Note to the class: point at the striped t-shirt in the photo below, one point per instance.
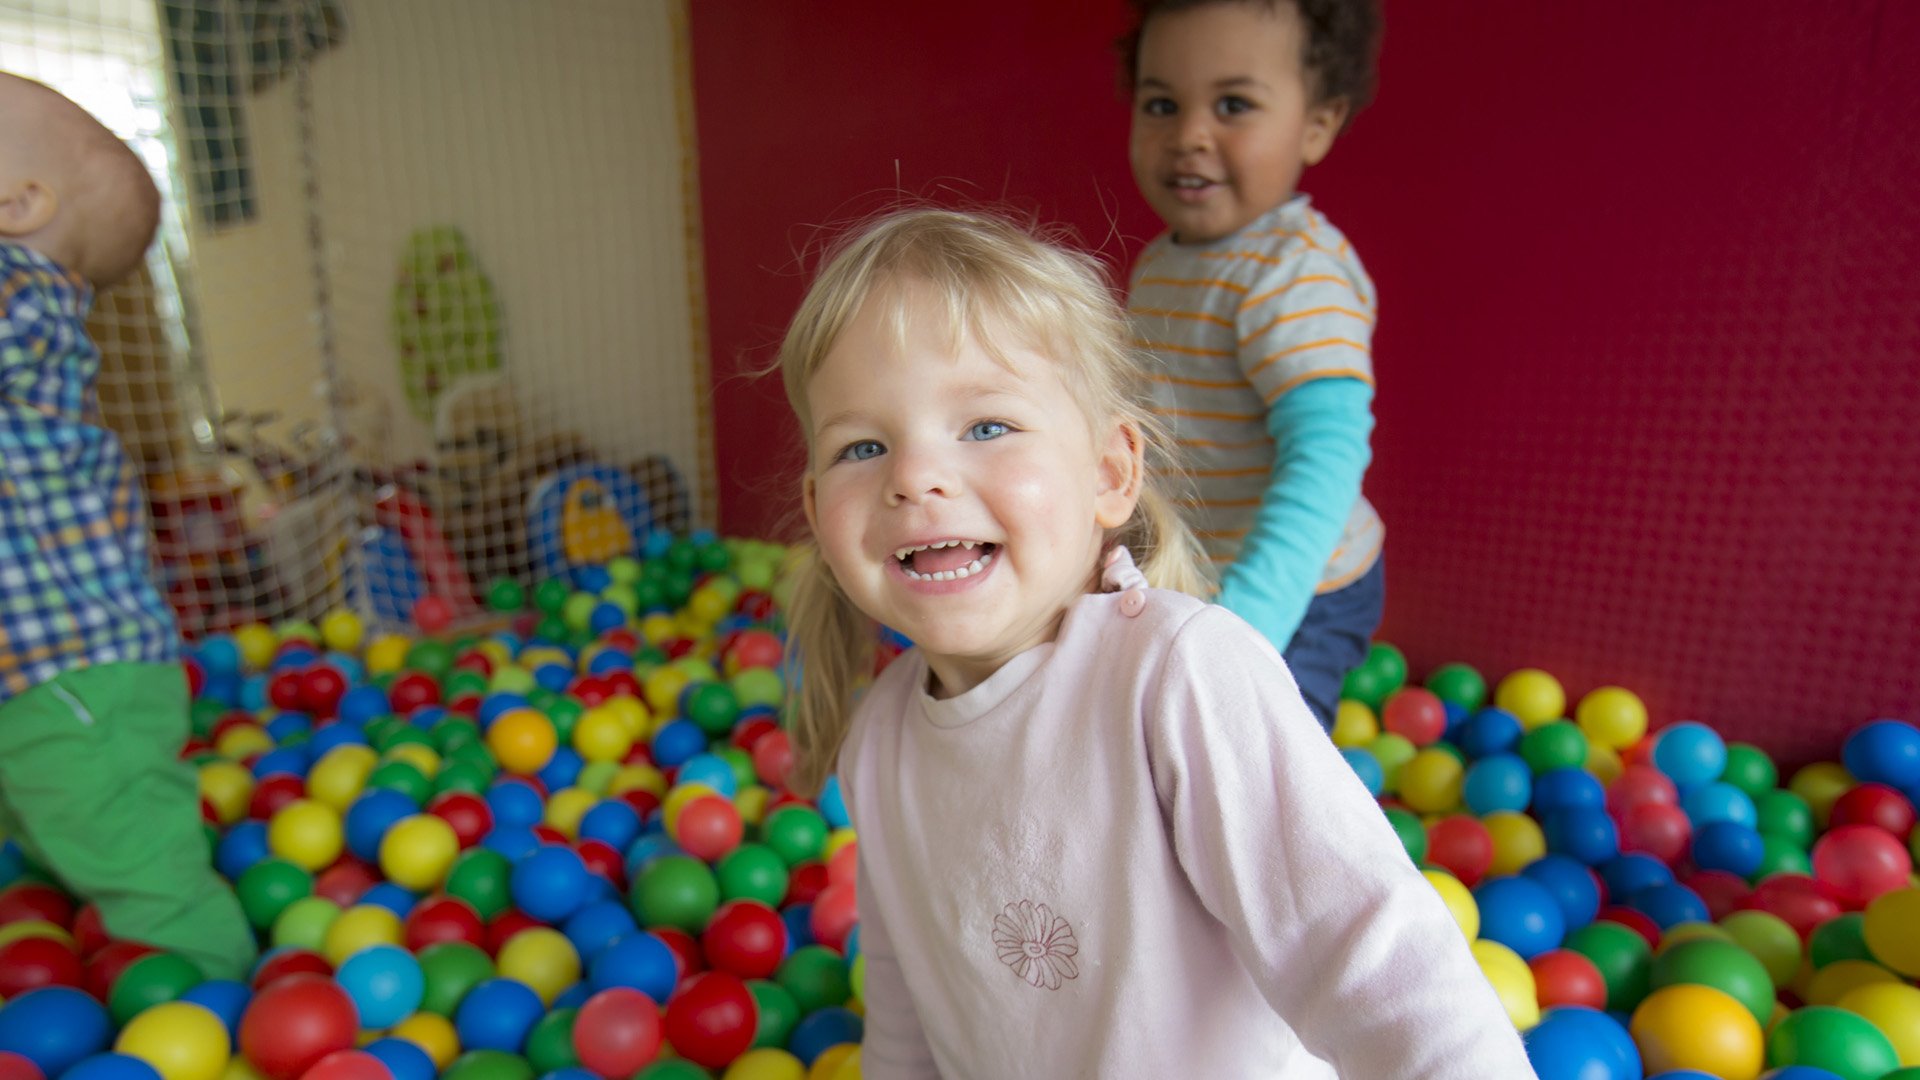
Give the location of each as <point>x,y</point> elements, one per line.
<point>1235,324</point>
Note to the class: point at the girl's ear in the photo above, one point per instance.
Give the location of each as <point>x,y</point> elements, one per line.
<point>1122,471</point>
<point>26,208</point>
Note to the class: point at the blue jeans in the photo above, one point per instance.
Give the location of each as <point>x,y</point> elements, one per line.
<point>1333,639</point>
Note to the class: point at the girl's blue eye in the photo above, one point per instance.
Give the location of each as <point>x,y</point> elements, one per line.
<point>862,450</point>
<point>1233,105</point>
<point>1157,106</point>
<point>987,429</point>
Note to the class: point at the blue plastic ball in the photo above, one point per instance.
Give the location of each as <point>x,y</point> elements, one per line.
<point>1585,833</point>
<point>598,925</point>
<point>496,703</point>
<point>371,815</point>
<point>676,742</point>
<point>404,1059</point>
<point>1718,801</point>
<point>1725,845</point>
<point>833,805</point>
<point>219,656</point>
<point>1690,753</point>
<point>606,616</point>
<point>640,961</point>
<point>1567,789</point>
<point>13,862</point>
<point>1366,768</point>
<point>1495,783</point>
<point>497,1015</point>
<point>550,884</point>
<point>242,846</point>
<point>288,724</point>
<point>573,996</point>
<point>1521,914</point>
<point>711,770</point>
<point>516,842</point>
<point>562,769</point>
<point>1489,732</point>
<point>612,821</point>
<point>54,1027</point>
<point>223,998</point>
<point>334,736</point>
<point>253,693</point>
<point>1633,872</point>
<point>1669,905</point>
<point>799,920</point>
<point>112,1067</point>
<point>554,677</point>
<point>608,661</point>
<point>591,577</point>
<point>1571,883</point>
<point>362,704</point>
<point>653,845</point>
<point>1572,1043</point>
<point>392,897</point>
<point>224,689</point>
<point>515,802</point>
<point>287,760</point>
<point>1884,752</point>
<point>385,983</point>
<point>823,1030</point>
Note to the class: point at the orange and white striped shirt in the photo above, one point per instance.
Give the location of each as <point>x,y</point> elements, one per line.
<point>1234,325</point>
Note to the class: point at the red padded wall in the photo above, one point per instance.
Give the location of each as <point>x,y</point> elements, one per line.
<point>1650,339</point>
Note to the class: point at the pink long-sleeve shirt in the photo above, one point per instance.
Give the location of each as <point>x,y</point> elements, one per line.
<point>1132,852</point>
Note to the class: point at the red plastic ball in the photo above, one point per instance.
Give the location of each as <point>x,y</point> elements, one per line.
<point>591,690</point>
<point>1462,846</point>
<point>805,883</point>
<point>272,793</point>
<point>227,722</point>
<point>623,684</point>
<point>547,834</point>
<point>773,758</point>
<point>1565,977</point>
<point>89,932</point>
<point>476,661</point>
<point>294,1022</point>
<point>287,691</point>
<point>196,676</point>
<point>843,866</point>
<point>604,859</point>
<point>1799,900</point>
<point>1860,862</point>
<point>348,1065</point>
<point>33,902</point>
<point>711,1020</point>
<point>1656,829</point>
<point>470,816</point>
<point>506,924</point>
<point>432,614</point>
<point>709,827</point>
<point>622,638</point>
<point>1637,921</point>
<point>17,1067</point>
<point>749,733</point>
<point>646,802</point>
<point>291,964</point>
<point>745,938</point>
<point>1877,805</point>
<point>686,951</point>
<point>617,1032</point>
<point>32,962</point>
<point>758,606</point>
<point>834,913</point>
<point>104,967</point>
<point>1417,714</point>
<point>1724,892</point>
<point>346,881</point>
<point>756,649</point>
<point>444,918</point>
<point>675,648</point>
<point>413,691</point>
<point>321,689</point>
<point>1639,785</point>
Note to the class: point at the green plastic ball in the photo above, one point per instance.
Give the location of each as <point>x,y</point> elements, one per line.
<point>1834,1039</point>
<point>432,657</point>
<point>1389,663</point>
<point>1786,815</point>
<point>1771,941</point>
<point>623,569</point>
<point>1556,745</point>
<point>551,595</point>
<point>753,872</point>
<point>506,596</point>
<point>1750,769</point>
<point>1624,958</point>
<point>1844,938</point>
<point>152,980</point>
<point>673,1069</point>
<point>404,778</point>
<point>267,887</point>
<point>758,687</point>
<point>683,555</point>
<point>713,559</point>
<point>489,1065</point>
<point>676,890</point>
<point>480,876</point>
<point>1458,684</point>
<point>779,1012</point>
<point>203,715</point>
<point>816,976</point>
<point>1364,684</point>
<point>795,833</point>
<point>713,707</point>
<point>1413,835</point>
<point>303,925</point>
<point>552,628</point>
<point>550,1043</point>
<point>1722,965</point>
<point>1778,855</point>
<point>450,969</point>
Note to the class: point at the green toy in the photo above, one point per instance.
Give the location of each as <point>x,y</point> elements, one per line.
<point>445,317</point>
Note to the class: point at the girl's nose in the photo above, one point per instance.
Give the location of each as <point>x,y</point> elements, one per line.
<point>919,475</point>
<point>1194,135</point>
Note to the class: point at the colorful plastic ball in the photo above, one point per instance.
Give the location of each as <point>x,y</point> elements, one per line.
<point>1458,684</point>
<point>304,924</point>
<point>1573,1043</point>
<point>1723,965</point>
<point>362,926</point>
<point>1586,834</point>
<point>1802,901</point>
<point>1393,753</point>
<point>497,1014</point>
<point>678,891</point>
<point>1697,1027</point>
<point>450,970</point>
<point>1612,716</point>
<point>404,1059</point>
<point>418,852</point>
<point>1366,768</point>
<point>1884,752</point>
<point>523,741</point>
<point>1690,753</point>
<point>1431,782</point>
<point>1726,845</point>
<point>105,1067</point>
<point>1669,905</point>
<point>1572,885</point>
<point>224,998</point>
<point>1656,829</point>
<point>180,1040</point>
<point>1832,1038</point>
<point>617,1032</point>
<point>1562,977</point>
<point>1521,914</point>
<point>745,938</point>
<point>1750,769</point>
<point>149,981</point>
<point>1623,957</point>
<point>489,1065</point>
<point>816,976</point>
<point>712,1019</point>
<point>294,1022</point>
<point>243,845</point>
<point>1517,841</point>
<point>1554,744</point>
<point>1874,804</point>
<point>753,872</point>
<point>1861,863</point>
<point>1511,979</point>
<point>1458,899</point>
<point>1497,782</point>
<point>385,983</point>
<point>550,884</point>
<point>638,961</point>
<point>1532,696</point>
<point>1354,725</point>
<point>598,925</point>
<point>709,827</point>
<point>1894,1009</point>
<point>541,958</point>
<point>827,1028</point>
<point>1488,732</point>
<point>54,1027</point>
<point>1567,789</point>
<point>1415,714</point>
<point>1718,801</point>
<point>1893,930</point>
<point>28,963</point>
<point>1462,846</point>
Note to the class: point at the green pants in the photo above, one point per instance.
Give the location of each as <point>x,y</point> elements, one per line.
<point>92,788</point>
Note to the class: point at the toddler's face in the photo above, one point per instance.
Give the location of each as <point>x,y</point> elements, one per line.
<point>1223,117</point>
<point>956,499</point>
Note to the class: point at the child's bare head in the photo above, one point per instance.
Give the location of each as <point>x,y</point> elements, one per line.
<point>69,189</point>
<point>1341,39</point>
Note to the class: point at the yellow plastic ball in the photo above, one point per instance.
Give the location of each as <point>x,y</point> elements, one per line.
<point>835,1062</point>
<point>638,778</point>
<point>838,839</point>
<point>566,807</point>
<point>181,1040</point>
<point>228,786</point>
<point>360,927</point>
<point>541,958</point>
<point>242,741</point>
<point>1612,716</point>
<point>766,1064</point>
<point>338,777</point>
<point>239,1068</point>
<point>1459,900</point>
<point>662,689</point>
<point>658,628</point>
<point>1842,977</point>
<point>1681,933</point>
<point>1768,937</point>
<point>857,977</point>
<point>430,1032</point>
<point>420,757</point>
<point>752,804</point>
<point>26,928</point>
<point>1354,724</point>
<point>1894,1008</point>
<point>849,1069</point>
<point>1688,1026</point>
<point>1430,783</point>
<point>677,799</point>
<point>632,712</point>
<point>602,734</point>
<point>1893,930</point>
<point>540,657</point>
<point>1392,751</point>
<point>418,852</point>
<point>1604,763</point>
<point>1517,841</point>
<point>697,669</point>
<point>342,631</point>
<point>595,776</point>
<point>1533,696</point>
<point>257,644</point>
<point>387,654</point>
<point>522,741</point>
<point>709,605</point>
<point>1512,981</point>
<point>1821,784</point>
<point>307,834</point>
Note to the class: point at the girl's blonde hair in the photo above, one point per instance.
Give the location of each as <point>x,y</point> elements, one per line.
<point>997,282</point>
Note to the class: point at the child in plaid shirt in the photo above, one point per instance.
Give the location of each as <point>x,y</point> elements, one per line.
<point>93,703</point>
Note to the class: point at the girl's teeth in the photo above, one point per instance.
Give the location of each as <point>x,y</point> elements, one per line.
<point>968,570</point>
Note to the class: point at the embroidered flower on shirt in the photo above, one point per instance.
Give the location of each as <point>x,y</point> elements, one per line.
<point>1037,944</point>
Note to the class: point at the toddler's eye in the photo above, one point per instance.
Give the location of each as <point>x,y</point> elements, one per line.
<point>1158,106</point>
<point>861,451</point>
<point>1233,105</point>
<point>987,429</point>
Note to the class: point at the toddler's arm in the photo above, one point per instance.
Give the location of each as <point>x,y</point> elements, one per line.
<point>1285,847</point>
